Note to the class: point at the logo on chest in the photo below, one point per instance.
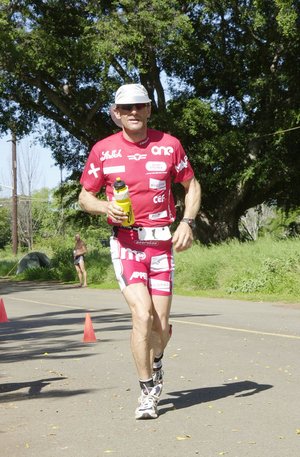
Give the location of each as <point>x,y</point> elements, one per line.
<point>113,154</point>
<point>162,150</point>
<point>137,156</point>
<point>156,166</point>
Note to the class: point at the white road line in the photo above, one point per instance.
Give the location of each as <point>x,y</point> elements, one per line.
<point>52,304</point>
<point>235,329</point>
<point>178,321</point>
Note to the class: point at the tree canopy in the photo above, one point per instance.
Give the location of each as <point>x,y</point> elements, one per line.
<point>223,76</point>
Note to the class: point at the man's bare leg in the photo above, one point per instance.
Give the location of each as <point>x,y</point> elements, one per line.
<point>79,274</point>
<point>83,272</point>
<point>140,304</point>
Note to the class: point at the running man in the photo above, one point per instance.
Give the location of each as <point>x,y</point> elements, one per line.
<point>148,161</point>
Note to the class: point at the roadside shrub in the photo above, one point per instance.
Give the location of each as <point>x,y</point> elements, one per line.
<point>273,276</point>
<point>8,267</point>
<point>192,274</point>
<point>266,269</point>
<point>38,274</point>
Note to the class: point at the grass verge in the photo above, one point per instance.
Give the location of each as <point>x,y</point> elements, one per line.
<point>264,270</point>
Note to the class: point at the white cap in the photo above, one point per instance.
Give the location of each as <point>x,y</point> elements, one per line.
<point>129,94</point>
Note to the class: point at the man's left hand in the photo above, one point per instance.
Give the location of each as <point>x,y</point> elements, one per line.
<point>183,237</point>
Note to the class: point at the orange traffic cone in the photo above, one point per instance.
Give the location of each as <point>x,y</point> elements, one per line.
<point>89,334</point>
<point>3,316</point>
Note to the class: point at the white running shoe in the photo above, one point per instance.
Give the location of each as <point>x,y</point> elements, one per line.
<point>147,408</point>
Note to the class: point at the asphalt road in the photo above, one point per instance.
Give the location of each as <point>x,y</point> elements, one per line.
<point>231,378</point>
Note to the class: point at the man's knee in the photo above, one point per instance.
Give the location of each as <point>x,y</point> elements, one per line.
<point>142,322</point>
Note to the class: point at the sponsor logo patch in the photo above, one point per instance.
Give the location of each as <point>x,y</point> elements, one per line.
<point>156,166</point>
<point>159,198</point>
<point>157,184</point>
<point>137,156</point>
<point>116,169</point>
<point>159,263</point>
<point>93,170</point>
<point>155,216</point>
<point>139,275</point>
<point>106,155</point>
<point>159,285</point>
<point>131,254</point>
<point>162,150</point>
<point>182,164</point>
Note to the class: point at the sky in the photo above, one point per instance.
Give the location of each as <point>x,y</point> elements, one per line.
<point>45,173</point>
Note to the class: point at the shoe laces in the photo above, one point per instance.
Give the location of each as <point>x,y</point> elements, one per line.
<point>148,401</point>
<point>152,397</point>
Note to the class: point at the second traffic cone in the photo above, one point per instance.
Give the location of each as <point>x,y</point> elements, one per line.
<point>89,334</point>
<point>3,315</point>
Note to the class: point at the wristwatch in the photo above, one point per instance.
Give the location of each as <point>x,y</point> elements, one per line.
<point>190,222</point>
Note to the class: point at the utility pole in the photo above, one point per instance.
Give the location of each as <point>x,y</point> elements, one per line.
<point>14,196</point>
<point>62,201</point>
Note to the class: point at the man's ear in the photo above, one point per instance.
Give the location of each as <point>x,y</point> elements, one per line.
<point>117,113</point>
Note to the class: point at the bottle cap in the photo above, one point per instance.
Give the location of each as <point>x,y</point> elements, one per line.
<point>119,184</point>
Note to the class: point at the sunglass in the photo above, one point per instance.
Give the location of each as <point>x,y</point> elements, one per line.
<point>129,107</point>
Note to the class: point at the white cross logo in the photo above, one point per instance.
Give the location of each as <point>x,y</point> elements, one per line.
<point>93,170</point>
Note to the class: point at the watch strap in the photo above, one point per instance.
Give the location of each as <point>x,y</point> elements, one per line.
<point>191,222</point>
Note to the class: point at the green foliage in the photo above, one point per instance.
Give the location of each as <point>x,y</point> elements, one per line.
<point>267,269</point>
<point>5,227</point>
<point>38,274</point>
<point>287,17</point>
<point>97,263</point>
<point>274,276</point>
<point>99,267</point>
<point>222,77</point>
<point>284,225</point>
<point>62,263</point>
<point>194,275</point>
<point>7,266</point>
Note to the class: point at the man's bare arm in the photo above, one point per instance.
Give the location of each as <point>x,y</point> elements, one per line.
<point>183,236</point>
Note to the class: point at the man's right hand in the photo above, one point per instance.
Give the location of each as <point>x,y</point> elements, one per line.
<point>115,212</point>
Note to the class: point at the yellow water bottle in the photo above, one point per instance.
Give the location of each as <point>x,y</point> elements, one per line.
<point>122,198</point>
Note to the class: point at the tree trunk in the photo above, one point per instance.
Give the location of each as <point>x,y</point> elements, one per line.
<point>217,229</point>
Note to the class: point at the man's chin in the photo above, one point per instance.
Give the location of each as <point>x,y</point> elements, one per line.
<point>135,125</point>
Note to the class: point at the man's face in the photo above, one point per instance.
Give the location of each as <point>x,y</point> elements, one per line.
<point>133,117</point>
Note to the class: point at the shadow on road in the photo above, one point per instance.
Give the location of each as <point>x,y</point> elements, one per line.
<point>188,398</point>
<point>58,334</point>
<point>8,286</point>
<point>55,334</point>
<point>33,389</point>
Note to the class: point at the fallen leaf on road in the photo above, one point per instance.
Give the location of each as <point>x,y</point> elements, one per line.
<point>184,437</point>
